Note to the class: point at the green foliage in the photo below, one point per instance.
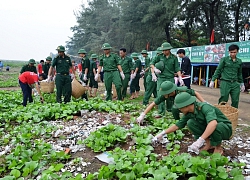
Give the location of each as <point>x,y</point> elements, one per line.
<point>26,131</point>
<point>106,137</point>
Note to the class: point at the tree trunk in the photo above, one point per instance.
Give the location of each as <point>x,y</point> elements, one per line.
<point>188,34</point>
<point>237,13</point>
<point>219,21</point>
<point>167,32</point>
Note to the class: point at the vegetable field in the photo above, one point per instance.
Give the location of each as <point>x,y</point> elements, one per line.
<point>60,141</point>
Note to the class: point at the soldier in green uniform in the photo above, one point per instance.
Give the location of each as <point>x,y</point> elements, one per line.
<point>62,62</point>
<point>146,67</point>
<point>230,71</point>
<point>206,122</point>
<point>135,87</point>
<point>151,85</point>
<point>92,73</point>
<point>85,69</point>
<point>169,90</point>
<point>47,65</point>
<point>29,67</point>
<point>170,66</point>
<point>127,67</point>
<point>111,64</point>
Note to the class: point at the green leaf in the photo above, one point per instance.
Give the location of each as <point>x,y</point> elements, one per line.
<point>192,178</point>
<point>239,177</point>
<point>15,173</point>
<point>223,175</point>
<point>58,167</point>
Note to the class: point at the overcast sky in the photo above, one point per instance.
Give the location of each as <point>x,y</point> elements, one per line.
<point>33,29</point>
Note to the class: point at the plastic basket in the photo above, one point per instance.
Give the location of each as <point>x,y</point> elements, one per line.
<point>47,87</point>
<point>230,112</point>
<point>77,89</point>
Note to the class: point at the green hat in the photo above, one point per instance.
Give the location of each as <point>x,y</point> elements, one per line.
<point>160,65</point>
<point>159,50</point>
<point>144,52</point>
<point>60,48</point>
<point>48,58</point>
<point>134,55</point>
<point>167,87</point>
<point>183,99</point>
<point>82,51</point>
<point>32,61</point>
<point>166,46</point>
<point>93,56</point>
<point>106,46</point>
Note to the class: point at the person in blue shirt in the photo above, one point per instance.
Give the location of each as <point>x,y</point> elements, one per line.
<point>1,65</point>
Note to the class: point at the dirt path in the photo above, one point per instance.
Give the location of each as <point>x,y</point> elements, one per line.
<point>212,96</point>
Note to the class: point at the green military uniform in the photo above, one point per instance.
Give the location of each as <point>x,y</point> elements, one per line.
<point>27,67</point>
<point>85,64</point>
<point>175,111</point>
<point>63,80</point>
<point>147,65</point>
<point>171,66</point>
<point>46,66</point>
<point>109,64</point>
<point>231,77</point>
<point>134,86</point>
<point>127,66</point>
<point>151,85</point>
<point>92,82</point>
<point>198,121</point>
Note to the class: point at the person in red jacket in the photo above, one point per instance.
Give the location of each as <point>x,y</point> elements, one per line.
<point>40,67</point>
<point>26,81</point>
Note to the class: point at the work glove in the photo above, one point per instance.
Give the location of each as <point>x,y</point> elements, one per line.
<point>142,73</point>
<point>242,87</point>
<point>140,119</point>
<point>158,137</point>
<point>195,147</point>
<point>154,78</point>
<point>96,77</point>
<point>122,75</point>
<point>35,92</point>
<point>211,84</point>
<point>48,79</point>
<point>72,76</point>
<point>157,71</point>
<point>181,81</point>
<point>85,77</point>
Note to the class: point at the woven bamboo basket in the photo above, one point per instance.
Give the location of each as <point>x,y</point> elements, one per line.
<point>77,89</point>
<point>47,87</point>
<point>231,113</point>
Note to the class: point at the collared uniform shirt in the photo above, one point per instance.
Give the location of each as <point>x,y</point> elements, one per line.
<point>126,64</point>
<point>62,64</point>
<point>85,64</point>
<point>229,70</point>
<point>91,67</point>
<point>28,68</point>
<point>110,62</point>
<point>171,65</point>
